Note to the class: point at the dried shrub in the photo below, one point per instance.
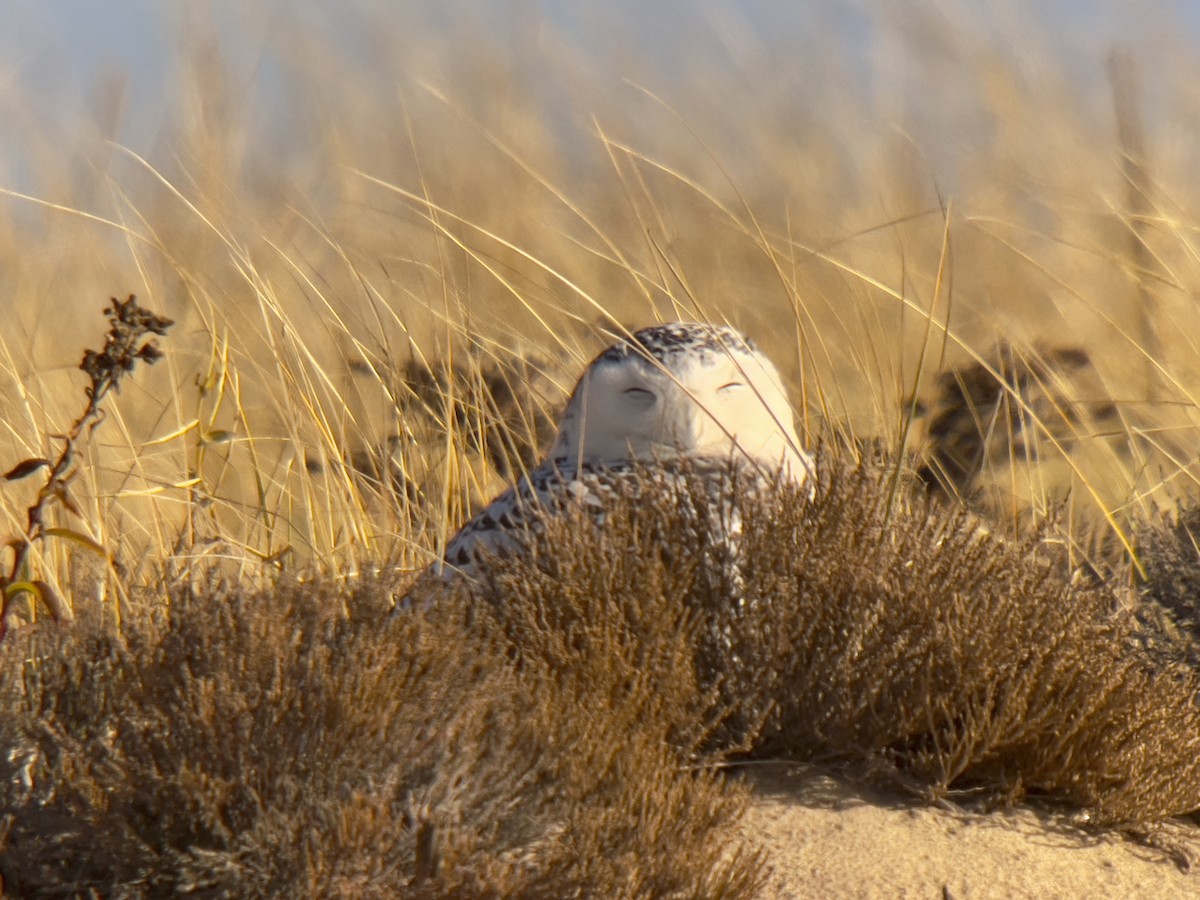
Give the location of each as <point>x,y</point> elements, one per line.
<point>304,743</point>
<point>989,414</point>
<point>1170,552</point>
<point>909,640</point>
<point>130,340</point>
<point>504,406</point>
<point>499,409</point>
<point>559,727</point>
<point>890,635</point>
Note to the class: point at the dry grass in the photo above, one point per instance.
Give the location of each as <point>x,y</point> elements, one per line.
<point>940,657</point>
<point>561,729</point>
<point>428,217</point>
<point>890,634</point>
<point>304,743</point>
<point>375,328</point>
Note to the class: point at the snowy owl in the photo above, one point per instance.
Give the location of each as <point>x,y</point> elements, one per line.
<point>668,398</point>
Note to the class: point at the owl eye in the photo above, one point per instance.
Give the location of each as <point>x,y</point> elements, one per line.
<point>730,388</point>
<point>640,395</point>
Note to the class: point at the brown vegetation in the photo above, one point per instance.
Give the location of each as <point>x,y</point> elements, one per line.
<point>562,728</point>
<point>881,631</point>
<point>302,743</point>
<point>1170,551</point>
<point>234,712</point>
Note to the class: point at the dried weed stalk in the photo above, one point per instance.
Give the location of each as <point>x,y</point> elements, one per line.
<point>125,345</point>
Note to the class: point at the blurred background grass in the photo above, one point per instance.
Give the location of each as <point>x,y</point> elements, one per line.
<point>327,206</point>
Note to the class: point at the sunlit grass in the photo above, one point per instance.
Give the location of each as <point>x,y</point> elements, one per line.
<point>463,218</point>
<point>384,289</point>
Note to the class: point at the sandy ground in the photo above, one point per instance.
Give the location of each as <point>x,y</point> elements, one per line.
<point>828,839</point>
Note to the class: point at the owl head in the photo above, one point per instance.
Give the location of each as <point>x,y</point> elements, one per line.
<point>684,388</point>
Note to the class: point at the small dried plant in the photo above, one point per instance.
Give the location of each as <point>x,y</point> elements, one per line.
<point>127,342</point>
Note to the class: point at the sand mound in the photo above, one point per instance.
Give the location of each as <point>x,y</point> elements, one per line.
<point>826,838</point>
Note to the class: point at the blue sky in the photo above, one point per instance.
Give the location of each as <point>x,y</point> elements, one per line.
<point>53,53</point>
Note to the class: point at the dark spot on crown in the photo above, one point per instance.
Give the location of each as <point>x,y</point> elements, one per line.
<point>661,342</point>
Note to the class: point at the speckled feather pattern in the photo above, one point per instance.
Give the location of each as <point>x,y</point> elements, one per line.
<point>662,342</point>
<point>508,522</point>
